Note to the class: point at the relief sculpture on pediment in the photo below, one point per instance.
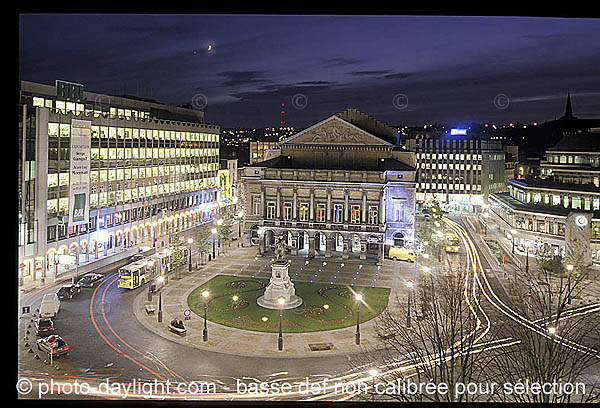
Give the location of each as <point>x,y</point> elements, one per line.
<point>334,133</point>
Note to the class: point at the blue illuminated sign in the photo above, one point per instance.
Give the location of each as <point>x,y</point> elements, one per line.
<point>458,132</point>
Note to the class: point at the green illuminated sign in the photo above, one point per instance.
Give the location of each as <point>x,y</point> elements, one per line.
<point>69,90</point>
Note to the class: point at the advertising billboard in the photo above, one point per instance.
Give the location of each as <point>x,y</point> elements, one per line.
<point>79,174</point>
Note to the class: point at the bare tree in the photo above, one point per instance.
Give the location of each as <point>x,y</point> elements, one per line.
<point>558,337</point>
<point>439,344</point>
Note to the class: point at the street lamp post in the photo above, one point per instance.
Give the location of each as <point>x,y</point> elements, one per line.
<point>409,285</point>
<point>160,280</point>
<point>526,259</point>
<point>214,232</point>
<point>358,298</point>
<point>281,302</point>
<point>512,238</point>
<point>219,223</point>
<point>205,295</point>
<point>373,372</point>
<point>569,271</point>
<point>190,255</point>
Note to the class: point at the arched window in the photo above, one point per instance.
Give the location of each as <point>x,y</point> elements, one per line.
<point>399,239</point>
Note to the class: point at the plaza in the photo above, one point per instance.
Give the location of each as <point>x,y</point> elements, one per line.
<point>242,263</point>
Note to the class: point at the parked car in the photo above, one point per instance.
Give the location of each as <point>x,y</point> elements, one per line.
<point>136,257</point>
<point>90,279</point>
<point>402,254</point>
<point>50,306</point>
<point>53,344</point>
<point>68,291</point>
<point>44,327</point>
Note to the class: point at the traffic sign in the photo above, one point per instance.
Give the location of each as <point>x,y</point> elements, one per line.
<point>26,309</point>
<point>186,314</point>
<point>51,339</point>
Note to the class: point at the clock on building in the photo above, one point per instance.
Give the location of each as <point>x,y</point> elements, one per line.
<point>581,221</point>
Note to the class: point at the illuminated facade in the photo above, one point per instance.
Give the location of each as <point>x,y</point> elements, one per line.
<point>149,170</point>
<point>538,208</point>
<point>457,169</point>
<point>339,188</point>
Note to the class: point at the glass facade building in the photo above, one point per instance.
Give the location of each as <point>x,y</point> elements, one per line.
<point>152,171</point>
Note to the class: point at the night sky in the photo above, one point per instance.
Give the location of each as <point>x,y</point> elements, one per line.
<point>402,70</point>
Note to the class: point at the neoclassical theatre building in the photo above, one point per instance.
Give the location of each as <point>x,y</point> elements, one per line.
<point>341,188</point>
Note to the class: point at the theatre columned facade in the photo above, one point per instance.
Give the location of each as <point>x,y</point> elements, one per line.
<point>338,189</point>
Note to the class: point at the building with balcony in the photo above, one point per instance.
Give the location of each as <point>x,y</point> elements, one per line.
<point>537,208</point>
<point>340,188</point>
<point>99,174</point>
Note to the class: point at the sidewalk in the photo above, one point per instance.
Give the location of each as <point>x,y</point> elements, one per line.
<point>229,340</point>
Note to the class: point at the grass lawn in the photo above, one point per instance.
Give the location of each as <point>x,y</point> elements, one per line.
<point>311,316</point>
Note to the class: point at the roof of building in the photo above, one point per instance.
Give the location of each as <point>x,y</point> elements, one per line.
<point>552,184</point>
<point>539,207</point>
<point>383,164</point>
<point>584,141</point>
<point>370,125</point>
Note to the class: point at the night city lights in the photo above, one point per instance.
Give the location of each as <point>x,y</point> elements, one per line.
<point>324,208</point>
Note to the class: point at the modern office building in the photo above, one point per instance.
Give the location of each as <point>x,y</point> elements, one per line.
<point>100,173</point>
<point>537,208</point>
<point>340,188</point>
<point>457,168</point>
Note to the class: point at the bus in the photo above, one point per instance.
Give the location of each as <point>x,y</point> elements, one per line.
<point>135,274</point>
<point>138,273</point>
<point>452,243</point>
<point>163,262</point>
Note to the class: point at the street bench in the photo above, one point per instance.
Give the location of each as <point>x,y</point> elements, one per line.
<point>320,346</point>
<point>177,330</point>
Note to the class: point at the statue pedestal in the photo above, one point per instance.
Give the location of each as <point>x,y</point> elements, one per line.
<point>280,285</point>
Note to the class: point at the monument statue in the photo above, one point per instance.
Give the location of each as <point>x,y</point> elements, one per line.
<point>280,247</point>
<point>280,284</point>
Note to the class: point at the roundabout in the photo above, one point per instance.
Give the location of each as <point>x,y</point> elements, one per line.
<point>325,307</point>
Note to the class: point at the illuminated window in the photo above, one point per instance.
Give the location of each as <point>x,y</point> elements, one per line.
<point>320,212</point>
<point>270,210</point>
<point>287,210</point>
<point>373,214</point>
<point>303,211</point>
<point>338,213</point>
<point>355,214</point>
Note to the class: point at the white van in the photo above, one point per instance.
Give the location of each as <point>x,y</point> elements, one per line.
<point>50,305</point>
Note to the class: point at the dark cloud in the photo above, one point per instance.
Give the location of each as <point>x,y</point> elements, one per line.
<point>236,78</point>
<point>543,36</point>
<point>400,75</point>
<point>368,73</point>
<point>339,62</point>
<point>315,83</point>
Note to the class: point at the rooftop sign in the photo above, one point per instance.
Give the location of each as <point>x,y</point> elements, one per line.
<point>69,90</point>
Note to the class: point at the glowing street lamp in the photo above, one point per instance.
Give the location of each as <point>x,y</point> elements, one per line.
<point>280,302</point>
<point>160,279</point>
<point>358,298</point>
<point>205,295</point>
<point>552,330</point>
<point>373,372</point>
<point>569,272</point>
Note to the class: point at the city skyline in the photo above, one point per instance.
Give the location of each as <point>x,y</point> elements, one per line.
<point>240,69</point>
